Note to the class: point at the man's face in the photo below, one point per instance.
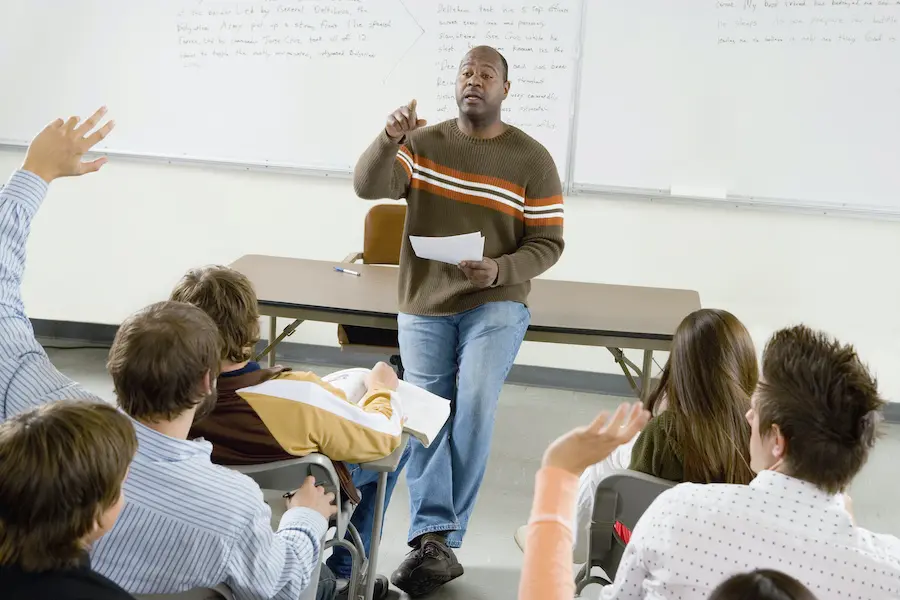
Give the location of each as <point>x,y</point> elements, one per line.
<point>480,85</point>
<point>763,453</point>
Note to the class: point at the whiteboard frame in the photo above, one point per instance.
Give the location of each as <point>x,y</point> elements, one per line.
<point>738,201</point>
<point>260,166</point>
<point>567,177</point>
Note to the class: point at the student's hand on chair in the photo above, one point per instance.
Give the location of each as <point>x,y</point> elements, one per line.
<point>312,496</point>
<point>382,377</point>
<point>402,121</point>
<point>57,151</point>
<point>582,447</point>
<point>480,273</point>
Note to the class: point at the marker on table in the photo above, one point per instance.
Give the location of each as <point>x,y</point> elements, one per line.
<point>347,271</point>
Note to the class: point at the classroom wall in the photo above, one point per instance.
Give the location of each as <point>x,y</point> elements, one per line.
<point>108,244</point>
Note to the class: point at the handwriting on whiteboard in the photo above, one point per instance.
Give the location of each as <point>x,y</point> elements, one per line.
<point>807,22</point>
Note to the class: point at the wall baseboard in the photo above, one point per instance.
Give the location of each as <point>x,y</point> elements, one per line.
<point>68,333</point>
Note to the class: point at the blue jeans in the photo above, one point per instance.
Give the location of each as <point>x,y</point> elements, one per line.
<point>464,358</point>
<point>364,516</point>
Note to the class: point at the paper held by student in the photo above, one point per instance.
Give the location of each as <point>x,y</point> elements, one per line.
<point>452,249</point>
<point>425,413</point>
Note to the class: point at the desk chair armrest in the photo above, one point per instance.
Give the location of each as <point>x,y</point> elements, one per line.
<point>352,258</point>
<point>287,475</point>
<point>389,463</point>
<point>220,592</point>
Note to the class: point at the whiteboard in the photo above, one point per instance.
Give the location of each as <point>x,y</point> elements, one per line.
<point>795,101</point>
<point>301,84</point>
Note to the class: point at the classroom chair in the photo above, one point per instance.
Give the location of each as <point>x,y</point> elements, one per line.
<point>382,237</point>
<point>622,496</point>
<point>286,475</point>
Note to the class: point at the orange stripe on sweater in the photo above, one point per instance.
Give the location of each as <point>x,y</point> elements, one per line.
<point>405,167</point>
<point>549,201</point>
<point>472,177</point>
<point>468,199</point>
<point>551,222</point>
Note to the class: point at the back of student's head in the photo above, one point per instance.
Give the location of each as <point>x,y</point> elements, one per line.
<point>61,472</point>
<point>762,585</point>
<point>824,402</point>
<point>707,383</point>
<point>228,297</point>
<point>164,360</point>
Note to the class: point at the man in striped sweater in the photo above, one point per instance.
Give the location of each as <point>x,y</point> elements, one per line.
<point>460,326</point>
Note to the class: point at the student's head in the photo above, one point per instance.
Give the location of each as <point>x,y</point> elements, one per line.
<point>227,296</point>
<point>61,483</point>
<point>164,361</point>
<point>762,585</point>
<point>482,84</point>
<point>707,383</point>
<point>816,410</point>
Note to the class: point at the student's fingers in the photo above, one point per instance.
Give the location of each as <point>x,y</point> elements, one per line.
<point>599,421</point>
<point>613,423</point>
<point>95,138</point>
<point>91,122</point>
<point>92,166</point>
<point>637,418</point>
<point>309,482</point>
<point>70,123</point>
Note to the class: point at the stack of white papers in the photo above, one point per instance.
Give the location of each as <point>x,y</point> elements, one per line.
<point>425,413</point>
<point>452,249</point>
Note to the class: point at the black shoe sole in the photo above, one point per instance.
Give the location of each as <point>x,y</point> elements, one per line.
<point>418,588</point>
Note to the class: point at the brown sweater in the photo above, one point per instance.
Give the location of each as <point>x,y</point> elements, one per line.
<point>506,187</point>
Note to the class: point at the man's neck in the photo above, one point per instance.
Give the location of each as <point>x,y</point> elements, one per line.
<point>177,428</point>
<point>228,367</point>
<point>483,130</point>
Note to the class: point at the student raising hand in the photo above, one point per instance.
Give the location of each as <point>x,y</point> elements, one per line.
<point>584,446</point>
<point>57,151</point>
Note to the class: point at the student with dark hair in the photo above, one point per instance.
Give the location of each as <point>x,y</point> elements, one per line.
<point>61,471</point>
<point>763,584</point>
<point>813,419</point>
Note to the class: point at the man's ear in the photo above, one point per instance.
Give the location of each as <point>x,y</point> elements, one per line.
<point>506,89</point>
<point>779,448</point>
<point>207,383</point>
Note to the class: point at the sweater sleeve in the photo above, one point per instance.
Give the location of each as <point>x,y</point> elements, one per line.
<point>547,573</point>
<point>654,452</point>
<point>384,170</point>
<point>542,244</point>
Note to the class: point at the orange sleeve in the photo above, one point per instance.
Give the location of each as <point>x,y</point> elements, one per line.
<point>547,573</point>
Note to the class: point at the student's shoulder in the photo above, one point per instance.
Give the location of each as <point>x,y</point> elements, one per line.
<point>691,500</point>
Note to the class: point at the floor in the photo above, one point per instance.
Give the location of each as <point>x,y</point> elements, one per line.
<point>527,420</point>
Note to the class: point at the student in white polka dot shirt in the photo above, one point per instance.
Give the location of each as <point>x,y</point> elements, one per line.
<point>814,419</point>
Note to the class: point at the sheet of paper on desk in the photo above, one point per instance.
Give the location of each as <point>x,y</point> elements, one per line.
<point>425,412</point>
<point>451,249</point>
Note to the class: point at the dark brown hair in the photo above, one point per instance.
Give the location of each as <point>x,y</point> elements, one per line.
<point>824,401</point>
<point>227,296</point>
<point>160,357</point>
<point>63,465</point>
<point>763,584</point>
<point>707,383</point>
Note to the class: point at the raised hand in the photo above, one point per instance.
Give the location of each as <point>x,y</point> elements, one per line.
<point>402,121</point>
<point>584,446</point>
<point>57,151</point>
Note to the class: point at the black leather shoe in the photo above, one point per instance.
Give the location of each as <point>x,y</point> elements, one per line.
<point>426,569</point>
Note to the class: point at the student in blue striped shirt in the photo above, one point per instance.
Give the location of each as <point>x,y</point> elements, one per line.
<point>186,523</point>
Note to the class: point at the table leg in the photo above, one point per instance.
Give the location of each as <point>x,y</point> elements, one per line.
<point>646,375</point>
<point>372,573</point>
<point>273,333</point>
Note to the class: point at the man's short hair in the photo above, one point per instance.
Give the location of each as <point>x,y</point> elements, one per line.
<point>824,401</point>
<point>160,357</point>
<point>227,296</point>
<point>63,466</point>
<point>505,67</point>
